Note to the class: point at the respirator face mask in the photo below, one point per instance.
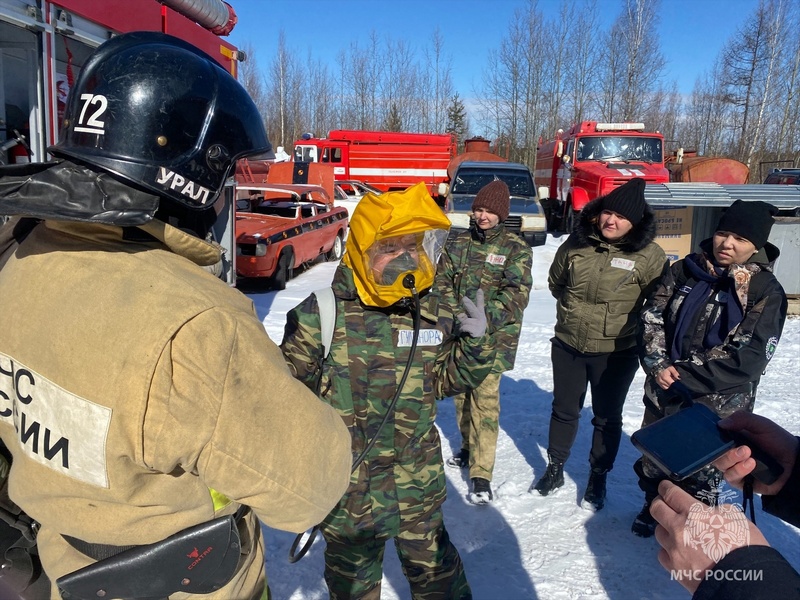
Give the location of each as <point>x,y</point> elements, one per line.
<point>392,257</point>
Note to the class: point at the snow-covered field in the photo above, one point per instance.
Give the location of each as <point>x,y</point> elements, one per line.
<point>524,546</point>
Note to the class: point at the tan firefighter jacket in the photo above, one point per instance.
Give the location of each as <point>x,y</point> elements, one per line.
<point>132,382</point>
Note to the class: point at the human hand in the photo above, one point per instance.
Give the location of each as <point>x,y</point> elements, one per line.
<point>695,537</point>
<point>667,377</point>
<point>770,437</point>
<point>473,322</point>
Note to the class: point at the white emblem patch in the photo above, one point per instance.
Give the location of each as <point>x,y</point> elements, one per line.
<point>495,259</point>
<point>427,337</point>
<point>187,188</point>
<point>55,428</point>
<point>623,263</point>
<point>772,345</point>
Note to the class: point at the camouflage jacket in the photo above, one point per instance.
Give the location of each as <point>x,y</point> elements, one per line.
<point>724,377</point>
<point>499,263</point>
<point>600,286</point>
<point>401,480</point>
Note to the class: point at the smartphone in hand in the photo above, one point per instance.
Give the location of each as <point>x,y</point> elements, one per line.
<point>684,442</point>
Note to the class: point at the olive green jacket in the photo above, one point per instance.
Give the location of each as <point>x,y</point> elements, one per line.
<point>601,287</point>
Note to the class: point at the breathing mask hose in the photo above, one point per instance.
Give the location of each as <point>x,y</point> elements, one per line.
<point>409,282</point>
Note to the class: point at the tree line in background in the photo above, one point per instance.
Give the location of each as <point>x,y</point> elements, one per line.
<point>548,73</point>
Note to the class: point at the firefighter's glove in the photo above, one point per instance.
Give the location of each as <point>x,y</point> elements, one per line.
<point>473,322</point>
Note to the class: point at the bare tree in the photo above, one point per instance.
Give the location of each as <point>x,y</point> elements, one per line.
<point>634,62</point>
<point>249,75</point>
<point>581,68</point>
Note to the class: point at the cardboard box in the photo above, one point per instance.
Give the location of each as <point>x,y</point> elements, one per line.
<point>674,231</point>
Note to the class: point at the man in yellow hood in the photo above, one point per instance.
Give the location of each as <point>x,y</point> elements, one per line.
<point>391,325</point>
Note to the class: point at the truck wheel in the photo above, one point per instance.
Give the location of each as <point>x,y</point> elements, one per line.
<point>285,269</point>
<point>569,220</point>
<point>335,253</point>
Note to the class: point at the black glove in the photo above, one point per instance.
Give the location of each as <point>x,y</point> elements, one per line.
<point>473,322</point>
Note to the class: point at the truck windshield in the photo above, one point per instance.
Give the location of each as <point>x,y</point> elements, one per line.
<point>471,181</point>
<point>619,148</point>
<point>305,153</point>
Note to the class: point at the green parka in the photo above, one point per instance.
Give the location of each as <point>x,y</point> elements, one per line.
<point>499,263</point>
<point>401,480</point>
<point>600,287</point>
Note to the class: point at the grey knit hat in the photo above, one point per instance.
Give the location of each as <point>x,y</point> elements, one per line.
<point>494,197</point>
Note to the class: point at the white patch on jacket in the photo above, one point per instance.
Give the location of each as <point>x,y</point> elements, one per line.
<point>55,428</point>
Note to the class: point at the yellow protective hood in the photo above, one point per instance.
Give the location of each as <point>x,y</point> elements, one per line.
<point>391,214</point>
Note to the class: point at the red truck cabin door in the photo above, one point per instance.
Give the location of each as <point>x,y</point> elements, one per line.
<point>338,155</point>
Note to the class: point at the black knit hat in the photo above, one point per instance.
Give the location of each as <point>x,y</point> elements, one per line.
<point>494,197</point>
<point>751,220</point>
<point>627,200</point>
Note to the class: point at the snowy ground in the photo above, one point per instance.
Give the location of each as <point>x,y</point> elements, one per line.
<point>525,546</point>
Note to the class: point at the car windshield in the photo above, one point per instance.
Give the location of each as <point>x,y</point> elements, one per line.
<point>527,206</point>
<point>470,181</point>
<point>623,148</point>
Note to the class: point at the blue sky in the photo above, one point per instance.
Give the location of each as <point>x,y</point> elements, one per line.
<point>692,32</point>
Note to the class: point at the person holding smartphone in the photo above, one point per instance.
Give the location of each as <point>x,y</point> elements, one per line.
<point>710,329</point>
<point>672,510</point>
<point>600,278</point>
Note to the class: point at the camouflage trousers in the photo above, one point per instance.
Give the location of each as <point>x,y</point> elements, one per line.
<point>478,418</point>
<point>430,562</point>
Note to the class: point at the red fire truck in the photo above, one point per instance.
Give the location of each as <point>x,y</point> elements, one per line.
<point>386,160</point>
<point>589,161</point>
<point>44,44</point>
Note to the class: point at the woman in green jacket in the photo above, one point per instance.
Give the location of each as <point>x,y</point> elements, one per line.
<point>600,277</point>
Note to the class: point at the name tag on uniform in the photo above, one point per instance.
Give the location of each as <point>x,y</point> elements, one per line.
<point>623,263</point>
<point>495,259</point>
<point>427,337</point>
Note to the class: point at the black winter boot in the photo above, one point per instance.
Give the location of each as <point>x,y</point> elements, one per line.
<point>460,460</point>
<point>481,491</point>
<point>595,494</point>
<point>644,525</point>
<point>552,479</point>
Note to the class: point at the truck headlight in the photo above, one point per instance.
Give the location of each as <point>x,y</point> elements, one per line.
<point>533,223</point>
<point>261,249</point>
<point>459,220</point>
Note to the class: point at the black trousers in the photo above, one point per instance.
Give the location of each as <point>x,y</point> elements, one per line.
<point>609,375</point>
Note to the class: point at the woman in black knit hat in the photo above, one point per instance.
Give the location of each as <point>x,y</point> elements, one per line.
<point>600,277</point>
<point>710,329</point>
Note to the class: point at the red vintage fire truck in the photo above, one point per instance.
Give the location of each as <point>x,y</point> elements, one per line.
<point>46,42</point>
<point>386,160</point>
<point>589,161</point>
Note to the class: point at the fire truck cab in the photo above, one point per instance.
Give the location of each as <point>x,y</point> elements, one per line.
<point>589,161</point>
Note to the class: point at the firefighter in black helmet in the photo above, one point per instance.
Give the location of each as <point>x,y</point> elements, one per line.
<point>141,400</point>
